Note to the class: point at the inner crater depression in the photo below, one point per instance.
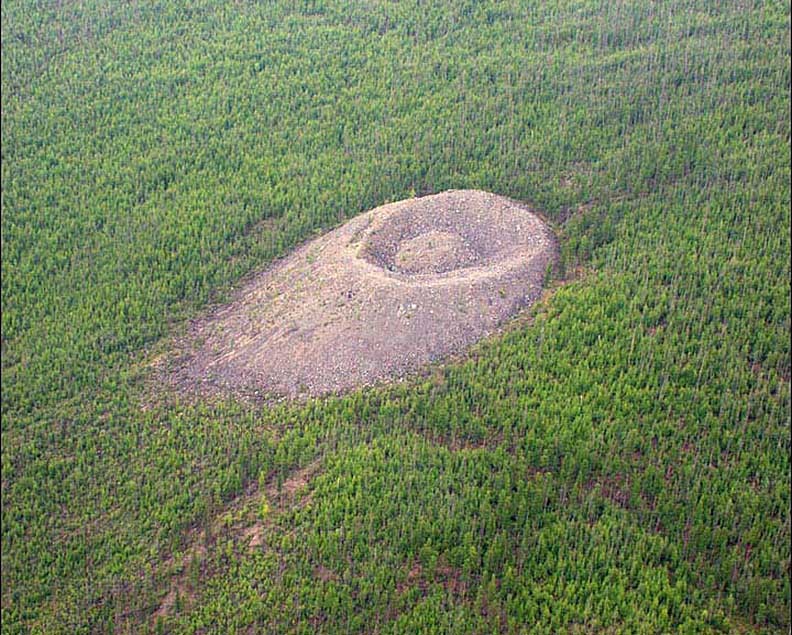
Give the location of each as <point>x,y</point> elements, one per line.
<point>379,297</point>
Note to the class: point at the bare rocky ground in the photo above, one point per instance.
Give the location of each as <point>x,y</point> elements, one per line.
<point>377,298</point>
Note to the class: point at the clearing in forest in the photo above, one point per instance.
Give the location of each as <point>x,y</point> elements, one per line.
<point>381,296</point>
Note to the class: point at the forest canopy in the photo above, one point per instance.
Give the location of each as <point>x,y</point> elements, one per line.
<point>616,461</point>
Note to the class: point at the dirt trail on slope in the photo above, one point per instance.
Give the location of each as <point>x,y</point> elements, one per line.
<point>379,297</point>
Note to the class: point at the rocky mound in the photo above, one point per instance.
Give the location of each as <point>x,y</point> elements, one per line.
<point>379,297</point>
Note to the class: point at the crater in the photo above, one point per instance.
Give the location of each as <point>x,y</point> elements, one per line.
<point>434,252</point>
<point>375,299</point>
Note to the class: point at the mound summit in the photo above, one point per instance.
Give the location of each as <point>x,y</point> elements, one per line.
<point>380,296</point>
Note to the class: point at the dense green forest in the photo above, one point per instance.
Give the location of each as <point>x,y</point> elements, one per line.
<point>618,461</point>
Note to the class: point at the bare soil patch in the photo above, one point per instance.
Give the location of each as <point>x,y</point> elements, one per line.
<point>379,297</point>
<point>241,520</point>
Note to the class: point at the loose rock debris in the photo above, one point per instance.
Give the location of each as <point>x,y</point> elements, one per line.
<point>379,297</point>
